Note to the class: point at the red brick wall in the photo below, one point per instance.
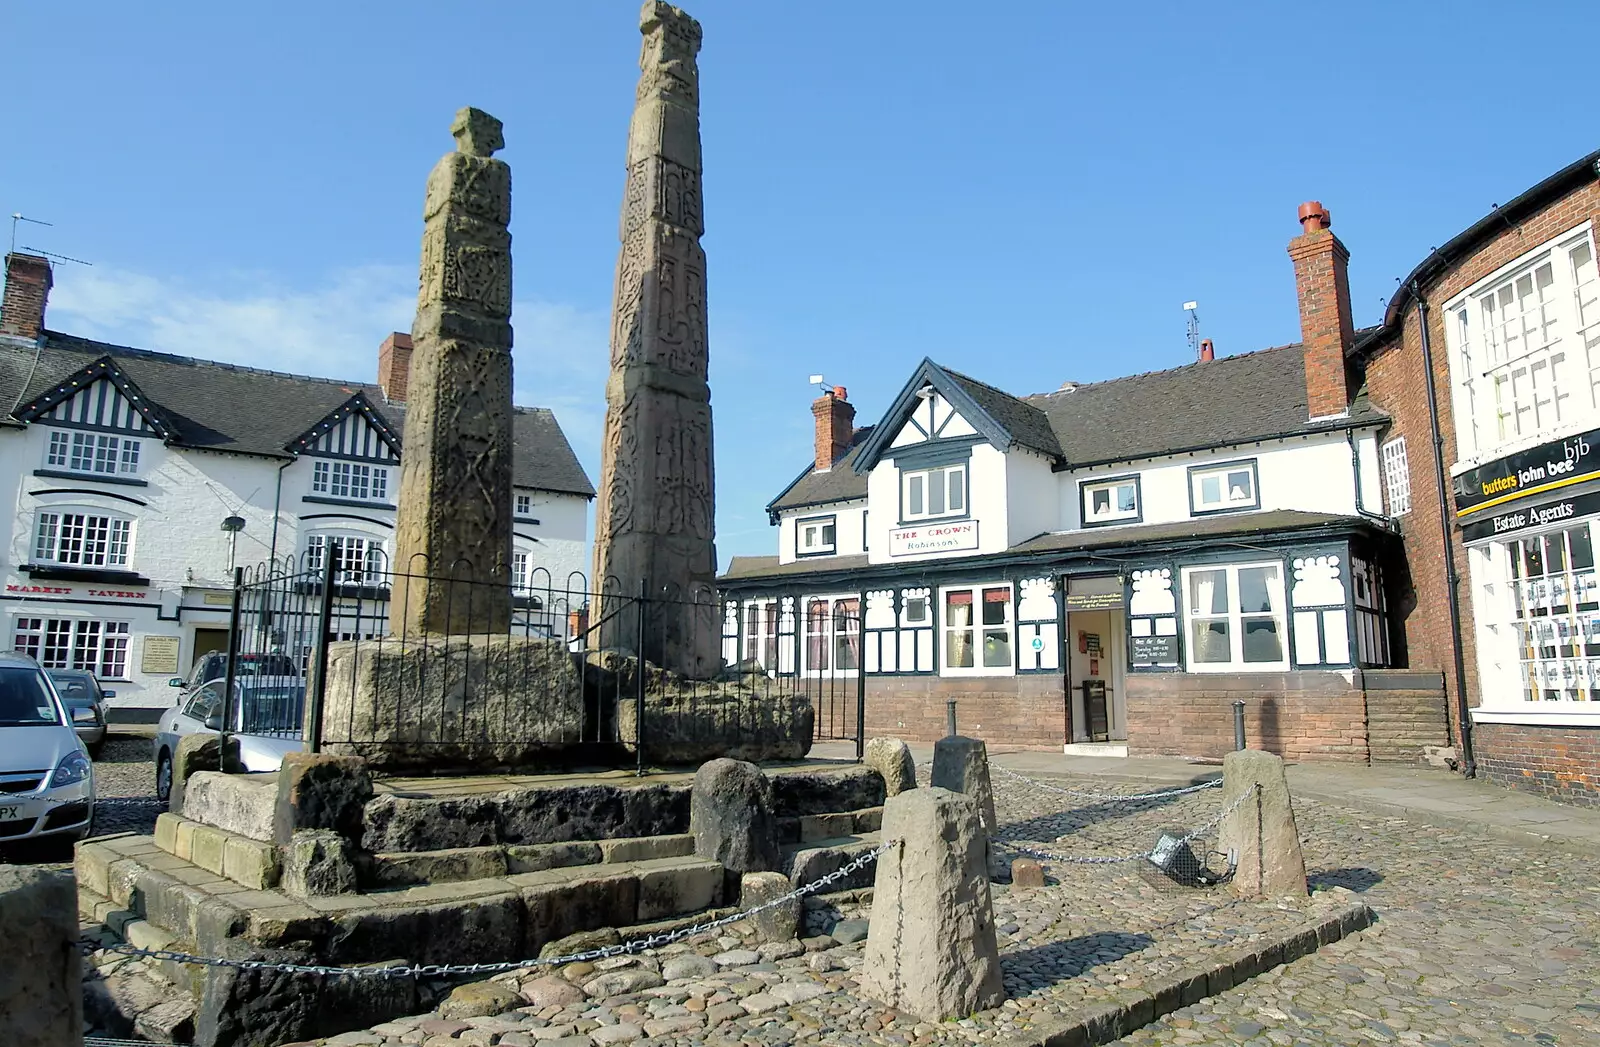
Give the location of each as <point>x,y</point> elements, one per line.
<point>394,366</point>
<point>1298,715</point>
<point>1322,285</point>
<point>836,417</point>
<point>1562,763</point>
<point>27,289</point>
<point>1012,712</point>
<point>1396,383</point>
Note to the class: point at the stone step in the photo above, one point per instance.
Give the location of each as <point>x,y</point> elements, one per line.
<point>816,859</point>
<point>416,868</point>
<point>811,828</point>
<point>250,863</point>
<point>240,804</point>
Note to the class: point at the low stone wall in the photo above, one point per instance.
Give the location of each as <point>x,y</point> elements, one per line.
<point>1562,763</point>
<point>1405,713</point>
<point>1297,715</point>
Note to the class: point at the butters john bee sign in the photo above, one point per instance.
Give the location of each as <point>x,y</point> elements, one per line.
<point>1549,467</point>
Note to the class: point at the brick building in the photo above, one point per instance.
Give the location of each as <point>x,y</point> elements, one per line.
<point>1487,364</point>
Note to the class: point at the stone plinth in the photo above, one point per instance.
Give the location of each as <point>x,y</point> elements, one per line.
<point>730,817</point>
<point>41,989</point>
<point>931,947</point>
<point>452,702</point>
<point>1262,829</point>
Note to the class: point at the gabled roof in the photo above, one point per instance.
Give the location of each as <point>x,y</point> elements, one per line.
<point>1001,418</point>
<point>71,385</point>
<point>215,406</point>
<point>357,404</point>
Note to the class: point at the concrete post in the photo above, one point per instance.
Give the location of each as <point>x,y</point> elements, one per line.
<point>41,980</point>
<point>1262,829</point>
<point>931,947</point>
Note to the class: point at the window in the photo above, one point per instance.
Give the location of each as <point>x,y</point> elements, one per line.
<point>83,452</point>
<point>931,493</point>
<point>977,631</point>
<point>1220,488</point>
<point>82,539</point>
<point>356,560</point>
<point>1556,597</point>
<point>1107,501</point>
<point>524,505</point>
<point>1235,617</point>
<point>761,634</point>
<point>361,483</point>
<point>1526,348</point>
<point>519,571</point>
<point>101,647</point>
<point>833,636</point>
<point>1397,476</point>
<point>815,537</point>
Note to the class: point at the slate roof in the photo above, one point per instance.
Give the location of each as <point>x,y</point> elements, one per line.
<point>1025,421</point>
<point>839,484</point>
<point>242,410</point>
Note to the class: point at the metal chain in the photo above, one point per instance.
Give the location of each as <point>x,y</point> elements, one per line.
<point>433,970</point>
<point>104,801</point>
<point>1097,859</point>
<point>1109,797</point>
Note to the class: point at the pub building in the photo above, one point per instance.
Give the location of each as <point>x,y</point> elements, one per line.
<point>1107,567</point>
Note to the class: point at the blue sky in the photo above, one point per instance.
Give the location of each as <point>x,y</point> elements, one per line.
<point>1026,192</point>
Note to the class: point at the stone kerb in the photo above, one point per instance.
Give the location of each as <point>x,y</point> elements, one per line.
<point>931,947</point>
<point>41,988</point>
<point>1261,831</point>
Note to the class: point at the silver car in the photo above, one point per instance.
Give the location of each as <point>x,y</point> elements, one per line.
<point>86,701</point>
<point>46,777</point>
<point>266,715</point>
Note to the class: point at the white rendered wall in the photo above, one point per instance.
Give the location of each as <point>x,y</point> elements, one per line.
<point>850,519</point>
<point>1031,495</point>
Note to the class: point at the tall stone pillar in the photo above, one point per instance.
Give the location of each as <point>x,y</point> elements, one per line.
<point>654,517</point>
<point>454,518</point>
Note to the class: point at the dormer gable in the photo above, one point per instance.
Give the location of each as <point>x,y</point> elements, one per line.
<point>99,396</point>
<point>354,430</point>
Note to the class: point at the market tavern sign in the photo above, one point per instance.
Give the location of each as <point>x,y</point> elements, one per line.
<point>1548,467</point>
<point>933,538</point>
<point>1527,517</point>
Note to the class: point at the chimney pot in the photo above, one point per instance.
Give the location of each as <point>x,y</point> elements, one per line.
<point>1314,216</point>
<point>394,366</point>
<point>839,392</point>
<point>1207,351</point>
<point>1322,284</point>
<point>836,419</point>
<point>28,282</point>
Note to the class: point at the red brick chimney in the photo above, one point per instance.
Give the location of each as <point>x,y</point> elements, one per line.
<point>27,289</point>
<point>836,420</point>
<point>394,366</point>
<point>1323,285</point>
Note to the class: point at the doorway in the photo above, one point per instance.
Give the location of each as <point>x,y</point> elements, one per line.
<point>1096,643</point>
<point>206,641</point>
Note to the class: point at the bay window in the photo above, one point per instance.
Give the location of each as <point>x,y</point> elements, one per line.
<point>833,636</point>
<point>928,494</point>
<point>761,634</point>
<point>82,539</point>
<point>977,627</point>
<point>1236,618</point>
<point>101,647</point>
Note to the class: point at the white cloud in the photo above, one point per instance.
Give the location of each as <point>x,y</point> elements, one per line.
<point>333,330</point>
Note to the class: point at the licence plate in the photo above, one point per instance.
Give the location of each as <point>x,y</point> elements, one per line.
<point>8,813</point>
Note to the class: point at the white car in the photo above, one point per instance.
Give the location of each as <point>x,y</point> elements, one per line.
<point>266,714</point>
<point>46,777</point>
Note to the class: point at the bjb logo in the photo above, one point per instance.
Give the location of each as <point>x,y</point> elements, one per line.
<point>1572,451</point>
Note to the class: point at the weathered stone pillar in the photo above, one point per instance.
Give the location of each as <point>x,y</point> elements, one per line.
<point>730,816</point>
<point>779,923</point>
<point>654,516</point>
<point>1261,830</point>
<point>931,947</point>
<point>454,515</point>
<point>962,765</point>
<point>41,979</point>
<point>891,758</point>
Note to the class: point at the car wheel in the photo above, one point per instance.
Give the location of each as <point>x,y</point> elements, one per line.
<point>163,776</point>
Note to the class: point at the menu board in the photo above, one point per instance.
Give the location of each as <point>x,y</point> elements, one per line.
<point>1153,650</point>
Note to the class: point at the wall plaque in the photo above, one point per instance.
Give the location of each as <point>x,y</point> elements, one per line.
<point>159,655</point>
<point>933,538</point>
<point>1094,601</point>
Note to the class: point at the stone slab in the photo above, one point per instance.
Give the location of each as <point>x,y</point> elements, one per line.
<point>241,804</point>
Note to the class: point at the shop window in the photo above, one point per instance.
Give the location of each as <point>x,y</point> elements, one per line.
<point>1397,476</point>
<point>833,636</point>
<point>351,480</point>
<point>1111,501</point>
<point>1557,606</point>
<point>78,539</point>
<point>93,453</point>
<point>815,537</point>
<point>929,494</point>
<point>1236,618</point>
<point>75,643</point>
<point>1223,488</point>
<point>977,628</point>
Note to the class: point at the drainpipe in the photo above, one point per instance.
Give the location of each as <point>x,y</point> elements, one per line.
<point>277,502</point>
<point>1452,578</point>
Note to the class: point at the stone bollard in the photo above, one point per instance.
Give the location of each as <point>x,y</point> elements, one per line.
<point>41,983</point>
<point>199,752</point>
<point>962,765</point>
<point>730,817</point>
<point>931,946</point>
<point>1262,830</point>
<point>1025,872</point>
<point>321,791</point>
<point>780,923</point>
<point>891,758</point>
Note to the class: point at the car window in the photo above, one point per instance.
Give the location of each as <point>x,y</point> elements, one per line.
<point>25,699</point>
<point>206,701</point>
<point>271,709</point>
<point>72,687</point>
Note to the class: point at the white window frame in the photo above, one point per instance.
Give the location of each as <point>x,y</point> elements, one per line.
<point>373,556</point>
<point>91,453</point>
<point>519,571</point>
<point>1236,618</point>
<point>1506,395</point>
<point>79,536</point>
<point>758,625</point>
<point>1089,489</point>
<point>1396,476</point>
<point>1198,474</point>
<point>977,631</point>
<point>838,625</point>
<point>351,481</point>
<point>96,644</point>
<point>916,485</point>
<point>524,505</point>
<point>816,536</point>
